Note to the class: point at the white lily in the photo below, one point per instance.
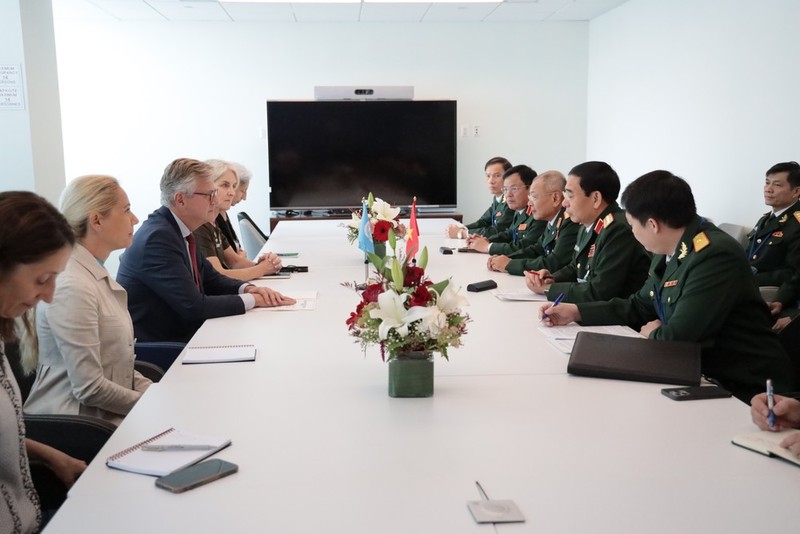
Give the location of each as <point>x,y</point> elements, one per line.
<point>392,312</point>
<point>451,300</point>
<point>383,211</point>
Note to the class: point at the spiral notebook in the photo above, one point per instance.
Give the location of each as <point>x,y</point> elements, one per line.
<point>220,354</point>
<point>160,463</point>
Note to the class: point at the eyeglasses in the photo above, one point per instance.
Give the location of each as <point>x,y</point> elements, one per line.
<point>514,188</point>
<point>211,195</point>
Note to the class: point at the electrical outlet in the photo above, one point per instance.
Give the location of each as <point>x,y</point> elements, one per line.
<point>476,131</point>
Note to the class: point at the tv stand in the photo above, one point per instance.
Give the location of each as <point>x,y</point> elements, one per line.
<point>343,214</point>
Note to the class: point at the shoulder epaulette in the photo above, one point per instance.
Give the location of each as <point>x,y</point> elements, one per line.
<point>797,215</point>
<point>608,219</point>
<point>700,241</point>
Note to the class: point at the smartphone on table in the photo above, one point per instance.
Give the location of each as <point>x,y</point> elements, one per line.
<point>196,475</point>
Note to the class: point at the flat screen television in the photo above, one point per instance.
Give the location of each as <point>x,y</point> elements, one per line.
<point>327,155</point>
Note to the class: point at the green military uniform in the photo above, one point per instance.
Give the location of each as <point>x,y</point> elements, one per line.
<point>773,250</point>
<point>495,219</point>
<point>706,293</point>
<point>552,251</point>
<point>524,230</point>
<point>607,262</point>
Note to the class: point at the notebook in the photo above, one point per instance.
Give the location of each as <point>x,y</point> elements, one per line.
<point>639,359</point>
<point>219,354</point>
<point>768,443</point>
<point>159,463</point>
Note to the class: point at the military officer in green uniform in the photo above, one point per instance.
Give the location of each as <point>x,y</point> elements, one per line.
<point>524,228</point>
<point>700,288</point>
<point>773,246</point>
<point>553,249</point>
<point>607,260</point>
<point>498,216</point>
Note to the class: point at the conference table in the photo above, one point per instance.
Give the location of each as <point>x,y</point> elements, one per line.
<point>321,447</point>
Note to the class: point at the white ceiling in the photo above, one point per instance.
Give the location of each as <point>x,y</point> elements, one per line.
<point>336,11</point>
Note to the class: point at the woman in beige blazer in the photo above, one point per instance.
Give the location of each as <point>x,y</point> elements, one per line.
<point>86,334</point>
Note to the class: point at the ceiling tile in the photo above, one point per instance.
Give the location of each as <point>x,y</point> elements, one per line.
<point>518,12</point>
<point>586,9</point>
<point>459,12</point>
<point>242,12</point>
<point>380,12</point>
<point>176,10</point>
<point>118,9</point>
<point>326,12</point>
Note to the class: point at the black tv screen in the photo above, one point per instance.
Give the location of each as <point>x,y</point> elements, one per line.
<point>330,154</point>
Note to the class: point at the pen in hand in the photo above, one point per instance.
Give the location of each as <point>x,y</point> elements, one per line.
<point>556,302</point>
<point>770,405</point>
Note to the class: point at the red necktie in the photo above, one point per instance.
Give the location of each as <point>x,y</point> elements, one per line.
<point>193,258</point>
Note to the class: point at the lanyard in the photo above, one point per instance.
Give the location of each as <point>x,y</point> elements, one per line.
<point>662,316</point>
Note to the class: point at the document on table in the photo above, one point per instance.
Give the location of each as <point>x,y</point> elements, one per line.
<point>519,295</point>
<point>306,301</point>
<point>768,443</point>
<point>563,337</point>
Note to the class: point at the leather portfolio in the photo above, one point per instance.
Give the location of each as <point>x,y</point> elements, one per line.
<point>639,359</point>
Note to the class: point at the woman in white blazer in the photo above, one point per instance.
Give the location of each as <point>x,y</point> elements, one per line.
<point>86,334</point>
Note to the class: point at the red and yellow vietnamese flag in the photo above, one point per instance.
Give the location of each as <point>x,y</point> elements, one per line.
<point>412,238</point>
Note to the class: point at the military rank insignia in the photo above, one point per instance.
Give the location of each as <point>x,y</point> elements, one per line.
<point>598,225</point>
<point>608,219</point>
<point>684,251</point>
<point>797,215</point>
<point>700,241</point>
<point>591,251</point>
<point>671,283</point>
<point>777,234</point>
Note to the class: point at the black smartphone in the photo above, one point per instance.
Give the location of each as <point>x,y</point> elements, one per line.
<point>482,286</point>
<point>445,250</point>
<point>294,269</point>
<point>696,393</point>
<point>196,475</point>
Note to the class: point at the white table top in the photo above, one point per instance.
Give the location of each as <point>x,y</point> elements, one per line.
<point>322,448</point>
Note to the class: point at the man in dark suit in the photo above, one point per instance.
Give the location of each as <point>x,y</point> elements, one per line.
<point>699,289</point>
<point>171,288</point>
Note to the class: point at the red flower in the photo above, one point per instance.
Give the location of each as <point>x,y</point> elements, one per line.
<point>420,297</point>
<point>413,276</point>
<point>380,232</point>
<point>371,293</point>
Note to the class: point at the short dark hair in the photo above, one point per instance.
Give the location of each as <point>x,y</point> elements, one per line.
<point>598,176</point>
<point>662,196</point>
<point>526,174</point>
<point>32,229</point>
<point>502,161</point>
<point>792,167</point>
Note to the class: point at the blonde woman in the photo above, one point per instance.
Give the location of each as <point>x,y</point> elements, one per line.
<point>213,244</point>
<point>86,334</point>
<point>223,221</point>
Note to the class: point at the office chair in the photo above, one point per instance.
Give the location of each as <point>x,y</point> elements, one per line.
<point>738,232</point>
<point>149,370</point>
<point>252,236</point>
<point>161,354</point>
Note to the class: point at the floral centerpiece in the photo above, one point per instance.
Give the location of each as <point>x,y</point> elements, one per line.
<point>409,317</point>
<point>383,218</point>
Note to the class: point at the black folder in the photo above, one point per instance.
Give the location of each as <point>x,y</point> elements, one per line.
<point>632,358</point>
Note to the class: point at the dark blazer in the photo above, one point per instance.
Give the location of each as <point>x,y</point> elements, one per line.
<point>163,300</point>
<point>552,251</point>
<point>773,249</point>
<point>706,293</point>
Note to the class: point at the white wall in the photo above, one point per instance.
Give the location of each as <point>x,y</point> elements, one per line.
<point>705,88</point>
<point>136,95</point>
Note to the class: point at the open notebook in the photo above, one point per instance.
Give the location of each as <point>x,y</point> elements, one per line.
<point>768,443</point>
<point>160,463</point>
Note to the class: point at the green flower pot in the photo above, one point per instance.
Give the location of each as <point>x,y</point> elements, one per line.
<point>411,375</point>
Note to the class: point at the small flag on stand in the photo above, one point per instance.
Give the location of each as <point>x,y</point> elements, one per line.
<point>412,242</point>
<point>364,231</point>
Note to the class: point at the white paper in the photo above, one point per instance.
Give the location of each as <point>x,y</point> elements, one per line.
<point>519,295</point>
<point>306,301</point>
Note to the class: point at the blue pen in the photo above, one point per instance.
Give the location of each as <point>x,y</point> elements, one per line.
<point>770,404</point>
<point>556,302</point>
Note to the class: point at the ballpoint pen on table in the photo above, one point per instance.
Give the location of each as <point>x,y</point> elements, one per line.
<point>770,404</point>
<point>178,447</point>
<point>556,302</point>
